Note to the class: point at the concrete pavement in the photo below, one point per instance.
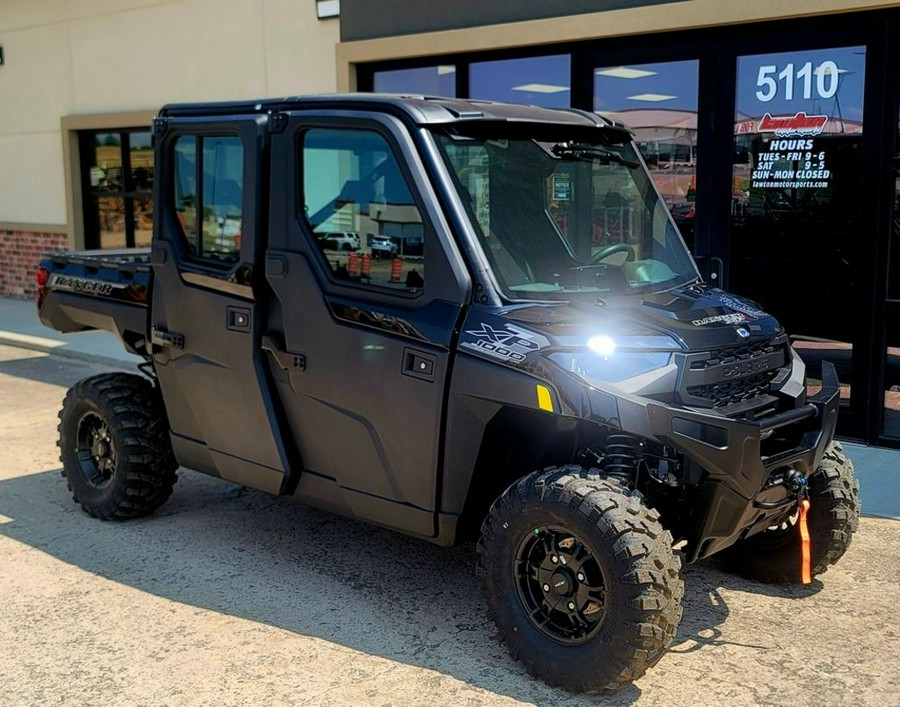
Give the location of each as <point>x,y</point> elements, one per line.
<point>878,469</point>
<point>228,596</point>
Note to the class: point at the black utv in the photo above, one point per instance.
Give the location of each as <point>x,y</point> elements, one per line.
<point>545,371</point>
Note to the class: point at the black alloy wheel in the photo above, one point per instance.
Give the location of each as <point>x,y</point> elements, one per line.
<point>561,584</point>
<point>580,579</point>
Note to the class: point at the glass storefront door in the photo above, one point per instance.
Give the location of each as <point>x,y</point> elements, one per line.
<point>796,202</point>
<point>890,424</point>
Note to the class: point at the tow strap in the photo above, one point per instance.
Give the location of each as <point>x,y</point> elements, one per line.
<point>805,571</point>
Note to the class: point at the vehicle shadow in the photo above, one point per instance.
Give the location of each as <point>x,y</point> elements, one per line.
<point>221,547</point>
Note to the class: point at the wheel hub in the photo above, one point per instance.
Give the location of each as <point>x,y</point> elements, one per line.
<point>95,450</point>
<point>99,448</point>
<point>561,583</point>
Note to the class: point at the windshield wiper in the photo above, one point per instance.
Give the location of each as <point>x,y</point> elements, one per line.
<point>589,153</point>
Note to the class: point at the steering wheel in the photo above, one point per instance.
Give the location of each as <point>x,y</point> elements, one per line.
<point>612,250</point>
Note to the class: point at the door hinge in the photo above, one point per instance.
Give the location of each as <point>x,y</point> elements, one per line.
<point>158,126</point>
<point>277,122</point>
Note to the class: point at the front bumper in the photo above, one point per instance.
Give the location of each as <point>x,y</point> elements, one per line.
<point>739,457</point>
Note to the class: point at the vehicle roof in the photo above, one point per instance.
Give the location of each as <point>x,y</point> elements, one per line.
<point>423,110</point>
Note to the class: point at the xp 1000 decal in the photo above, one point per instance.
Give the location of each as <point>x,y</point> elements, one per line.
<point>506,342</point>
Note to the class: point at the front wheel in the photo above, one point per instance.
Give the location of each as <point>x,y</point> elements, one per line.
<point>580,578</point>
<point>114,446</point>
<point>773,556</point>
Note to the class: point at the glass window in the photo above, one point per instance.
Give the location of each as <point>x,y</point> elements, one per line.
<point>212,225</point>
<point>361,210</point>
<point>541,81</point>
<point>117,186</point>
<point>659,103</point>
<point>560,217</point>
<point>426,80</point>
<point>796,204</point>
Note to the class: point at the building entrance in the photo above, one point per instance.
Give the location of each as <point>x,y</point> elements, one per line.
<point>775,146</point>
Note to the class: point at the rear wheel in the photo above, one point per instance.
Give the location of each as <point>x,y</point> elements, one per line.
<point>773,556</point>
<point>114,446</point>
<point>580,579</point>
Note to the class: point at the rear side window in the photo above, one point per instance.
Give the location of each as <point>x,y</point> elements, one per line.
<point>360,209</point>
<point>209,191</point>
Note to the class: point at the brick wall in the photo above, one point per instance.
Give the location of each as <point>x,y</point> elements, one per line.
<point>20,252</point>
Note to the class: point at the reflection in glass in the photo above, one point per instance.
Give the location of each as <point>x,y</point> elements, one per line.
<point>223,190</point>
<point>105,163</point>
<point>540,81</point>
<point>141,157</point>
<point>426,80</point>
<point>110,214</point>
<point>143,221</point>
<point>891,424</point>
<point>795,195</point>
<point>361,210</point>
<point>659,103</point>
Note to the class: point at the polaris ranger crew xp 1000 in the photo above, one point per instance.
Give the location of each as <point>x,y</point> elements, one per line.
<point>534,362</point>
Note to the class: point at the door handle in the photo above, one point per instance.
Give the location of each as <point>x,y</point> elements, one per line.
<point>419,364</point>
<point>285,359</point>
<point>237,318</point>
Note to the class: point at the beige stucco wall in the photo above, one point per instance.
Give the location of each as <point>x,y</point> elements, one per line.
<point>82,57</point>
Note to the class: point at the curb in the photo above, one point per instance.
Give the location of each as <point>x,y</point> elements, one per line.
<point>31,343</point>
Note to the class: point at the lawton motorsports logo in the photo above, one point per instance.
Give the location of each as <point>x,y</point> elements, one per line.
<point>797,125</point>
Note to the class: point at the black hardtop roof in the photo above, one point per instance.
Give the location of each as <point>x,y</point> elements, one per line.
<point>423,110</point>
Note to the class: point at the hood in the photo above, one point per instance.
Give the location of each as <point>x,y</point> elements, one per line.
<point>691,318</point>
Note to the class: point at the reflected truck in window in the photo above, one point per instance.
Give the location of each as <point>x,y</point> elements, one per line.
<point>558,383</point>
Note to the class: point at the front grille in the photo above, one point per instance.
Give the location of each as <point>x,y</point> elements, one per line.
<point>745,352</point>
<point>734,379</point>
<point>734,391</point>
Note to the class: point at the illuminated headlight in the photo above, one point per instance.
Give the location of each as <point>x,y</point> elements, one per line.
<point>603,345</point>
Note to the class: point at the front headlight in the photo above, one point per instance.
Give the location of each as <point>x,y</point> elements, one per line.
<point>612,368</point>
<point>603,345</point>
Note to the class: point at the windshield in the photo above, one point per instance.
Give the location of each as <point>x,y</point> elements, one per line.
<point>563,215</point>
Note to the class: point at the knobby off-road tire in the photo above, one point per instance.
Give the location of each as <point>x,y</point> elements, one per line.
<point>580,579</point>
<point>114,446</point>
<point>773,556</point>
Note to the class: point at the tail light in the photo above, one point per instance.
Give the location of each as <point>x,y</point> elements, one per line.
<point>41,276</point>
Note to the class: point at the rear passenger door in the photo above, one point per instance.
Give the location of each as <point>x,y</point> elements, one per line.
<point>205,316</point>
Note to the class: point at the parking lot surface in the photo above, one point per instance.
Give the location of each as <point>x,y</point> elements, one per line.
<point>230,596</point>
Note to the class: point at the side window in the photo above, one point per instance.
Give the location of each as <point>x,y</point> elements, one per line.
<point>360,209</point>
<point>211,166</point>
